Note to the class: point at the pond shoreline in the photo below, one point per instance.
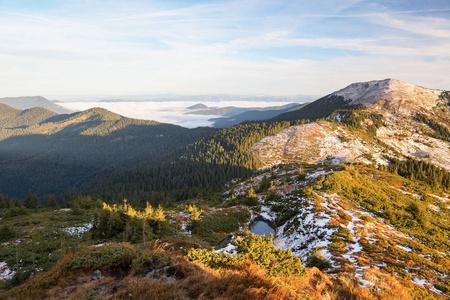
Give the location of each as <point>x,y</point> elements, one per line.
<point>262,226</point>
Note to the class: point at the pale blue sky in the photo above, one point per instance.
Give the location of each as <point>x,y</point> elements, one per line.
<point>81,48</point>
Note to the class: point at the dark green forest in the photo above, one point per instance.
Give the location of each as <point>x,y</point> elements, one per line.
<point>57,154</point>
<point>201,166</point>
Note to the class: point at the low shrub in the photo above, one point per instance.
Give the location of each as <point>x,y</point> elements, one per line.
<point>7,232</point>
<point>319,260</point>
<point>212,227</point>
<point>111,256</point>
<point>151,260</point>
<point>259,249</point>
<point>16,211</point>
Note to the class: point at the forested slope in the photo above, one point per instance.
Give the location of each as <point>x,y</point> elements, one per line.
<point>46,153</point>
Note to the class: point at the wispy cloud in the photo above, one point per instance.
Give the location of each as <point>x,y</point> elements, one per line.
<point>133,47</point>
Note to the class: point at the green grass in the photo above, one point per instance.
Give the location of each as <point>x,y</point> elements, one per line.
<point>39,240</point>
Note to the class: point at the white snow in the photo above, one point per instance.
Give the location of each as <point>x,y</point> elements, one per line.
<point>5,272</point>
<point>230,248</point>
<point>317,174</point>
<point>404,248</point>
<point>266,214</point>
<point>78,230</point>
<point>101,245</point>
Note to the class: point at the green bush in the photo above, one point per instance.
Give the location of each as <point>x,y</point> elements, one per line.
<point>7,232</point>
<point>337,245</point>
<point>344,232</point>
<point>250,201</point>
<point>151,260</point>
<point>318,260</point>
<point>110,256</point>
<point>212,227</point>
<point>16,211</point>
<point>259,249</point>
<point>442,288</point>
<point>368,218</point>
<point>214,259</point>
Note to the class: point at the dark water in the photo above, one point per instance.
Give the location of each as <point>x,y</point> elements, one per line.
<point>261,228</point>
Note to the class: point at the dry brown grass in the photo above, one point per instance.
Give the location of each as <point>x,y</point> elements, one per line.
<point>248,281</point>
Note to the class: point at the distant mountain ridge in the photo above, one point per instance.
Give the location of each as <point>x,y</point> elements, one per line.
<point>255,115</point>
<point>12,117</point>
<point>28,102</point>
<point>235,115</point>
<point>346,132</point>
<point>392,124</point>
<point>47,153</point>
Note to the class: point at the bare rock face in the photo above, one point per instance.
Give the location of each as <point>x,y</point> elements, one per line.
<point>391,95</point>
<point>315,142</point>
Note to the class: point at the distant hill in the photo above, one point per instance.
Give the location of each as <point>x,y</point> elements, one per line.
<point>33,101</point>
<point>198,106</point>
<point>220,111</point>
<point>255,115</point>
<point>236,115</point>
<point>12,117</point>
<point>47,153</point>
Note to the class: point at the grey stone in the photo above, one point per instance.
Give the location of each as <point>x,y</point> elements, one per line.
<point>168,279</point>
<point>102,287</point>
<point>97,275</point>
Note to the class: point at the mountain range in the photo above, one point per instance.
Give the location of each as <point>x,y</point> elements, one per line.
<point>364,122</point>
<point>236,115</point>
<point>28,102</point>
<point>355,185</point>
<point>46,153</point>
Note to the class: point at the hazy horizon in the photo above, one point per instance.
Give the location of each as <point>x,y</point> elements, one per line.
<point>171,112</point>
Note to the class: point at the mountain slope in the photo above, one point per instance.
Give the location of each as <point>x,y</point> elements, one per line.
<point>47,153</point>
<point>358,220</point>
<point>255,115</point>
<point>28,102</point>
<point>353,133</point>
<point>389,95</point>
<point>12,117</point>
<point>376,120</point>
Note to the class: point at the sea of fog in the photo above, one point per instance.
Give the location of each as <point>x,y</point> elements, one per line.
<point>173,112</point>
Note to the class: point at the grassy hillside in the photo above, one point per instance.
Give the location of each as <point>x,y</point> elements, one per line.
<point>355,233</point>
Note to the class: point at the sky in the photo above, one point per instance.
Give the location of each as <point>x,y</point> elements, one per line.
<point>76,49</point>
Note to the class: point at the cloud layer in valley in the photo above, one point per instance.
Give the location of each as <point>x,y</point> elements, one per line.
<point>173,112</point>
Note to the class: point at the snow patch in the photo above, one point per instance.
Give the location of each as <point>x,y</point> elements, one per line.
<point>5,272</point>
<point>78,230</point>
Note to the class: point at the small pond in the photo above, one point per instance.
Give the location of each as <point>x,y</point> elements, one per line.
<point>262,227</point>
